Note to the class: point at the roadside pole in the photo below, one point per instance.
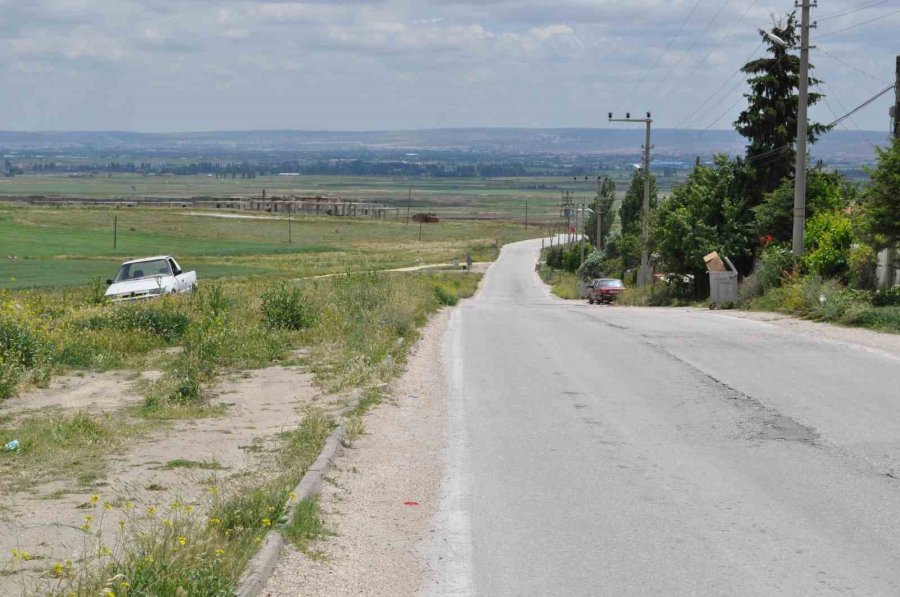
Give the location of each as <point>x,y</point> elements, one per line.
<point>526,214</point>
<point>800,166</point>
<point>115,230</point>
<point>644,273</point>
<point>408,202</point>
<point>290,209</point>
<point>599,215</point>
<point>888,274</point>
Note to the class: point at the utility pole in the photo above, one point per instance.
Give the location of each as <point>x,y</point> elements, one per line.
<point>890,254</point>
<point>526,214</point>
<point>896,112</point>
<point>599,215</point>
<point>800,167</point>
<point>115,230</point>
<point>290,209</point>
<point>644,273</point>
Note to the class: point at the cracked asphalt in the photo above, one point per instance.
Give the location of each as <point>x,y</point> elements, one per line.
<point>622,451</point>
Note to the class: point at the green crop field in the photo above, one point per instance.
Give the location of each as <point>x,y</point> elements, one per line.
<point>62,246</point>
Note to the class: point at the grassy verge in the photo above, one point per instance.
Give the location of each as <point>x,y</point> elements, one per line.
<point>820,299</point>
<point>55,446</point>
<point>562,283</point>
<point>199,549</point>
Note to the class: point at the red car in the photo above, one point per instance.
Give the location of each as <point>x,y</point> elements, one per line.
<point>604,290</point>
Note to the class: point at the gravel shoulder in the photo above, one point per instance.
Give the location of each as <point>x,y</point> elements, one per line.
<point>383,492</point>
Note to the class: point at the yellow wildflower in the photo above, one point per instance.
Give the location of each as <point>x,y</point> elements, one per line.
<point>266,522</point>
<point>182,540</point>
<point>292,495</point>
<point>129,505</point>
<point>95,498</point>
<point>215,521</point>
<point>220,552</point>
<point>167,523</point>
<point>257,540</point>
<point>151,511</point>
<point>107,506</point>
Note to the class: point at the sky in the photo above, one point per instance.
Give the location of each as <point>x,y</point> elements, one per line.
<point>194,65</point>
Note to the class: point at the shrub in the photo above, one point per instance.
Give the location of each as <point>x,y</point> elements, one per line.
<point>879,318</point>
<point>777,260</point>
<point>592,267</point>
<point>445,297</point>
<point>863,264</point>
<point>828,241</point>
<point>284,307</point>
<point>161,320</point>
<point>887,298</point>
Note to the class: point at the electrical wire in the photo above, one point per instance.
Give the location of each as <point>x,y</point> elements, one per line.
<point>831,92</point>
<point>850,11</point>
<point>847,64</point>
<point>661,54</point>
<point>690,49</point>
<point>737,101</point>
<point>861,106</point>
<point>727,35</point>
<point>836,31</point>
<point>718,89</point>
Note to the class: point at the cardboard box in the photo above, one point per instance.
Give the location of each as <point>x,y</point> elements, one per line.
<point>714,263</point>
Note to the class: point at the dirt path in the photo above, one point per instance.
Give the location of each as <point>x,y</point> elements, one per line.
<point>175,463</point>
<point>383,492</point>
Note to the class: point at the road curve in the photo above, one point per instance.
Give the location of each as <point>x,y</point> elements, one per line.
<point>618,451</point>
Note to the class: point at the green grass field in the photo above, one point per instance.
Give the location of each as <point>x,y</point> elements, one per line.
<point>64,246</point>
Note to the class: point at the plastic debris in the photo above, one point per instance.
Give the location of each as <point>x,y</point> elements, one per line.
<point>12,446</point>
<point>410,503</point>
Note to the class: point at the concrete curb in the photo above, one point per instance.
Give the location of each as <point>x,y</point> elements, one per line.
<point>263,563</point>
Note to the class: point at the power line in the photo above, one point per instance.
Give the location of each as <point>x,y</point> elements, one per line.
<point>690,49</point>
<point>661,54</point>
<point>719,88</point>
<point>884,16</point>
<point>833,113</point>
<point>737,101</point>
<point>847,64</point>
<point>718,44</point>
<point>861,106</point>
<point>850,11</point>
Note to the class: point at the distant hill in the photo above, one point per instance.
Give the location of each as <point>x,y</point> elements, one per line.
<point>838,147</point>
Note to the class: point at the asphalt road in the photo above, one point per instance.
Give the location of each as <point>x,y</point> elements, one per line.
<point>618,451</point>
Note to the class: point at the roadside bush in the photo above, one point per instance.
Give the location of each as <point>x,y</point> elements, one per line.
<point>777,260</point>
<point>889,297</point>
<point>445,297</point>
<point>828,241</point>
<point>592,266</point>
<point>163,320</point>
<point>862,265</point>
<point>879,318</point>
<point>284,307</point>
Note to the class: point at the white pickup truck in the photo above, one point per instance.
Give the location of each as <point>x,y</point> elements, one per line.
<point>149,277</point>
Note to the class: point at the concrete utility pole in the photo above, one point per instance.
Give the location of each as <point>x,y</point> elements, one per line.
<point>599,215</point>
<point>896,111</point>
<point>644,273</point>
<point>800,167</point>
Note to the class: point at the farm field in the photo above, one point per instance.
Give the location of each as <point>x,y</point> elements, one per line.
<point>66,246</point>
<point>499,198</point>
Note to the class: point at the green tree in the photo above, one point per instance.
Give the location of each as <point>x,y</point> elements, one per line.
<point>770,121</point>
<point>825,191</point>
<point>630,211</point>
<point>607,198</point>
<point>881,199</point>
<point>706,213</point>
